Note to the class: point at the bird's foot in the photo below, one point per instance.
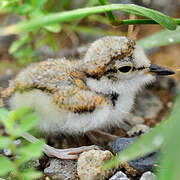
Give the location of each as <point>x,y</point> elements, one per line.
<point>70,153</point>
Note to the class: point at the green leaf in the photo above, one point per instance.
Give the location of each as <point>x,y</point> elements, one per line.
<point>24,9</point>
<point>149,142</point>
<point>18,43</point>
<point>5,166</point>
<point>161,38</point>
<point>30,151</point>
<point>4,142</point>
<point>39,4</point>
<point>7,3</point>
<point>160,18</point>
<point>109,13</point>
<point>170,162</point>
<point>55,28</point>
<point>19,113</point>
<point>31,174</point>
<point>28,123</point>
<point>4,116</point>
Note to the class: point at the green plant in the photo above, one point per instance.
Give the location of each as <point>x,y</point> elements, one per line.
<point>24,49</point>
<point>162,38</point>
<point>164,138</point>
<point>13,169</point>
<point>41,19</point>
<point>67,16</point>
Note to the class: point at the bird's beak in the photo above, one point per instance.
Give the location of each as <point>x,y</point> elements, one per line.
<point>155,69</point>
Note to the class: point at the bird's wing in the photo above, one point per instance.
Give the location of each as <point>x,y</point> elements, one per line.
<point>60,80</point>
<point>78,100</point>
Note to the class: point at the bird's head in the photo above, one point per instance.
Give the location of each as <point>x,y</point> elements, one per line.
<point>117,64</point>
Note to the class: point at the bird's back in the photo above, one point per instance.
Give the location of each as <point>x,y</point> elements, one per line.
<point>49,75</point>
<point>62,80</point>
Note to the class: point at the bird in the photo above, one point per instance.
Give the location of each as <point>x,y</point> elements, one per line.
<point>77,96</point>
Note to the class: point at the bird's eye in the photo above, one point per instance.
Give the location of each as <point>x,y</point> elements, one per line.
<point>125,69</point>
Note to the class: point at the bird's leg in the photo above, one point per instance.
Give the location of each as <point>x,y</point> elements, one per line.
<point>97,137</point>
<point>70,153</point>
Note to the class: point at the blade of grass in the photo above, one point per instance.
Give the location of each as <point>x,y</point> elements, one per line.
<point>162,38</point>
<point>149,142</point>
<point>160,18</point>
<point>109,13</point>
<point>170,162</point>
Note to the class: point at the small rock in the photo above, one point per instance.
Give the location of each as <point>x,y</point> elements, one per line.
<point>62,169</point>
<point>121,143</point>
<point>89,165</point>
<point>142,164</point>
<point>31,163</point>
<point>145,163</point>
<point>148,176</point>
<point>119,176</point>
<point>17,142</point>
<point>148,105</point>
<point>7,152</point>
<point>138,130</point>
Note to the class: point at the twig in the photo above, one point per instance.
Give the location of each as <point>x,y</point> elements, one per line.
<point>131,27</point>
<point>132,30</point>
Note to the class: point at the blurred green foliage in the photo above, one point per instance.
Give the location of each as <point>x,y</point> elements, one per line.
<point>40,20</point>
<point>12,168</point>
<point>162,138</point>
<point>24,49</point>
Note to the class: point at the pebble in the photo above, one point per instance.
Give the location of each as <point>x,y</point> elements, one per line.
<point>148,176</point>
<point>90,163</point>
<point>31,163</point>
<point>119,176</point>
<point>7,152</point>
<point>142,164</point>
<point>121,143</point>
<point>61,169</point>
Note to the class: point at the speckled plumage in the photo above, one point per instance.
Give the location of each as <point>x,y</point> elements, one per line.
<point>82,95</point>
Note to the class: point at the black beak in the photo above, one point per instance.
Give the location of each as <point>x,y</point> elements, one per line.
<point>160,70</point>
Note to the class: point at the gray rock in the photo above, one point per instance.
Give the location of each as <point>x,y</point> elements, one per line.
<point>31,163</point>
<point>7,152</point>
<point>148,176</point>
<point>119,176</point>
<point>142,164</point>
<point>145,163</point>
<point>147,105</point>
<point>61,169</point>
<point>89,166</point>
<point>121,143</point>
